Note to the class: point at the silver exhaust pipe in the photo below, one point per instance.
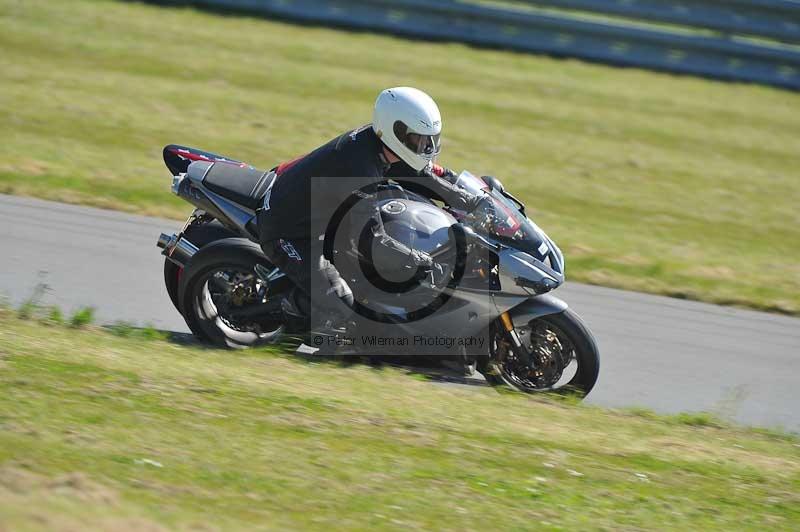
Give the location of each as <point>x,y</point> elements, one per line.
<point>176,248</point>
<point>164,240</point>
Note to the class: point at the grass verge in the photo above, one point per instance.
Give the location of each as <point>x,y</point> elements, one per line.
<point>652,182</point>
<point>106,431</point>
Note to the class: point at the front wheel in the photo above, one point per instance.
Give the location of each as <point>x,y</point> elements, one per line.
<point>563,356</point>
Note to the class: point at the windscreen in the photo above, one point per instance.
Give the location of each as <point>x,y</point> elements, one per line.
<point>500,218</point>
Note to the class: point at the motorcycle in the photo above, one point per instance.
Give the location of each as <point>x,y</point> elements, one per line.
<point>505,266</point>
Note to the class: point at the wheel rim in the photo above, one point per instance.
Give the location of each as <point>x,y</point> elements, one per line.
<point>556,367</point>
<point>224,291</point>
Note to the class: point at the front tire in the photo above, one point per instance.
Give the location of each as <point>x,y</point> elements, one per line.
<point>570,336</point>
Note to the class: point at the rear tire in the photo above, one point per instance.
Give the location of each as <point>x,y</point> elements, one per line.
<point>204,308</point>
<point>586,354</point>
<point>200,235</point>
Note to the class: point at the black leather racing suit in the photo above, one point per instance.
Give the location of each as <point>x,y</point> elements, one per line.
<point>292,220</point>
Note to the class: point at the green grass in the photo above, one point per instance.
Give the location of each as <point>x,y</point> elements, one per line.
<point>102,431</point>
<point>82,317</point>
<point>653,182</point>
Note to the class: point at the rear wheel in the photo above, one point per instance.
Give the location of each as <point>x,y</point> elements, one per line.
<point>563,352</point>
<point>224,301</point>
<point>199,234</point>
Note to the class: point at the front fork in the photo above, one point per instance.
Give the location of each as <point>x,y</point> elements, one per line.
<point>516,345</point>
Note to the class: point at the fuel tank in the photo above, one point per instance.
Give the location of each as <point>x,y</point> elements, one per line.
<point>419,225</point>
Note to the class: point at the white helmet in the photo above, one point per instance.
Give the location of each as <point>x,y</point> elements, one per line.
<point>408,122</point>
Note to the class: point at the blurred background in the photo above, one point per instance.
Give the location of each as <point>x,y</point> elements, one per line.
<point>665,183</point>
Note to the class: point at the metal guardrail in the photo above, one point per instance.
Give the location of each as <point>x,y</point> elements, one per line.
<point>772,19</point>
<point>561,35</point>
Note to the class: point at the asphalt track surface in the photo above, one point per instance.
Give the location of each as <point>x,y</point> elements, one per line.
<point>665,354</point>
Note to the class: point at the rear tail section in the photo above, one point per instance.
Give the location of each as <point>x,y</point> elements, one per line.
<point>178,158</point>
<point>222,188</point>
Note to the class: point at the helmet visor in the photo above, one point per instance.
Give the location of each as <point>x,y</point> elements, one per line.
<point>428,146</point>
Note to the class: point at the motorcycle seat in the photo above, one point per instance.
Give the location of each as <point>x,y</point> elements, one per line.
<point>244,185</point>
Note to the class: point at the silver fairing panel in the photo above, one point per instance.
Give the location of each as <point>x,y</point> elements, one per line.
<point>523,310</point>
<point>524,283</point>
<point>466,315</point>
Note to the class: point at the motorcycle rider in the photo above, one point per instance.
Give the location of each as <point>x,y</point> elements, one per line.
<point>403,140</point>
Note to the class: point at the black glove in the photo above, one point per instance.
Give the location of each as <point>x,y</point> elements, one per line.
<point>449,174</point>
<point>480,202</point>
<point>482,211</point>
<point>442,171</point>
